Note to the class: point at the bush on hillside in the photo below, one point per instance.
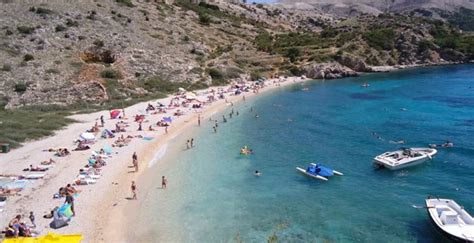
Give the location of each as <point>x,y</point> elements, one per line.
<point>110,74</point>
<point>28,57</point>
<point>20,87</point>
<point>25,29</point>
<point>204,19</point>
<point>127,3</point>
<point>381,39</point>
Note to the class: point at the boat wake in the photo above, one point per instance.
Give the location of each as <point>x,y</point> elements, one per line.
<point>159,154</point>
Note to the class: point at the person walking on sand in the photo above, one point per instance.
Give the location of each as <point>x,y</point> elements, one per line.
<point>164,181</point>
<point>192,142</point>
<point>166,130</point>
<point>134,190</point>
<point>134,156</point>
<point>199,119</point>
<point>135,164</point>
<point>140,126</point>
<point>102,122</point>
<point>32,219</point>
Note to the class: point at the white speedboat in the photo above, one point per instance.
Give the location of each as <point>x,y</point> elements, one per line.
<point>451,219</point>
<point>404,158</point>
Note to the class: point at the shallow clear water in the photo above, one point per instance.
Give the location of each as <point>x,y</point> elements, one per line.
<point>214,197</point>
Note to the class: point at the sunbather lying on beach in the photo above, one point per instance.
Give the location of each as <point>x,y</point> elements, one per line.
<point>35,168</point>
<point>61,152</point>
<point>9,192</point>
<point>48,162</point>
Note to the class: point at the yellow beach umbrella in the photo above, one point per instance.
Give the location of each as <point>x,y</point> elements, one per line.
<point>49,238</point>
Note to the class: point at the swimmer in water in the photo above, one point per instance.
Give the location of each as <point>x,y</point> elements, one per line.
<point>257,173</point>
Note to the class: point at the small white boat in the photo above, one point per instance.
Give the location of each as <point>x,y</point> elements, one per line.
<point>404,158</point>
<point>319,172</point>
<point>451,219</point>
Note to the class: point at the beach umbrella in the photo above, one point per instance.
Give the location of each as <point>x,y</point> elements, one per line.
<point>107,149</point>
<point>114,114</point>
<point>87,136</point>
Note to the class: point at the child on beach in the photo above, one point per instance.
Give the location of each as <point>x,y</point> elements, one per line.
<point>32,219</point>
<point>164,181</point>
<point>134,190</point>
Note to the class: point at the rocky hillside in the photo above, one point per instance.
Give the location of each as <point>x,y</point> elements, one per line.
<point>69,52</point>
<point>351,7</point>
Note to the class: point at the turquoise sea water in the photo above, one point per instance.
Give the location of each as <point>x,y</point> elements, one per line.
<point>213,195</point>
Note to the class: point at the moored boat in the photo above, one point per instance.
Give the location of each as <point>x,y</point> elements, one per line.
<point>403,158</point>
<point>451,219</point>
<point>318,171</point>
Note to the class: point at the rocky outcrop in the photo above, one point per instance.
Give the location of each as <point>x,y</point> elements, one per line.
<point>354,63</point>
<point>330,70</point>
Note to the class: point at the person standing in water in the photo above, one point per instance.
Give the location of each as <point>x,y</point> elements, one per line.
<point>187,144</point>
<point>164,181</point>
<point>199,119</point>
<point>192,142</point>
<point>215,129</point>
<point>134,190</point>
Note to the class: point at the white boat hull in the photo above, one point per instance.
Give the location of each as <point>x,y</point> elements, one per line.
<point>311,175</point>
<point>451,219</point>
<point>385,160</point>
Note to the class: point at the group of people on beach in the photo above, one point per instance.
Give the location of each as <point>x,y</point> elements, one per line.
<point>93,168</point>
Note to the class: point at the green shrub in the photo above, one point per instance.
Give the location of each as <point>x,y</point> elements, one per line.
<point>264,41</point>
<point>60,28</point>
<point>52,71</point>
<point>25,29</point>
<point>381,39</point>
<point>127,3</point>
<point>293,53</point>
<point>6,68</point>
<point>71,23</point>
<point>204,19</point>
<point>157,84</point>
<point>255,75</point>
<point>110,74</point>
<point>28,57</point>
<point>43,11</point>
<point>20,87</point>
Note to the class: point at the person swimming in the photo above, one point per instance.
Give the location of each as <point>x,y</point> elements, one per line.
<point>257,173</point>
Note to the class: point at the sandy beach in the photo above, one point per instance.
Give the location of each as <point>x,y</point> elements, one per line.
<point>102,209</point>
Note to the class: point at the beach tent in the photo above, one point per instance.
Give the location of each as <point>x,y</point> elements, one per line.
<point>107,134</point>
<point>166,119</point>
<point>87,136</point>
<point>49,238</point>
<point>114,114</point>
<point>191,96</point>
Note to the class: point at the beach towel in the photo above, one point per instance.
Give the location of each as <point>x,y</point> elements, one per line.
<point>49,238</point>
<point>147,138</point>
<point>65,210</point>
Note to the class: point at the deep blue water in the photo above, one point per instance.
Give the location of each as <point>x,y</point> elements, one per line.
<point>214,196</point>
